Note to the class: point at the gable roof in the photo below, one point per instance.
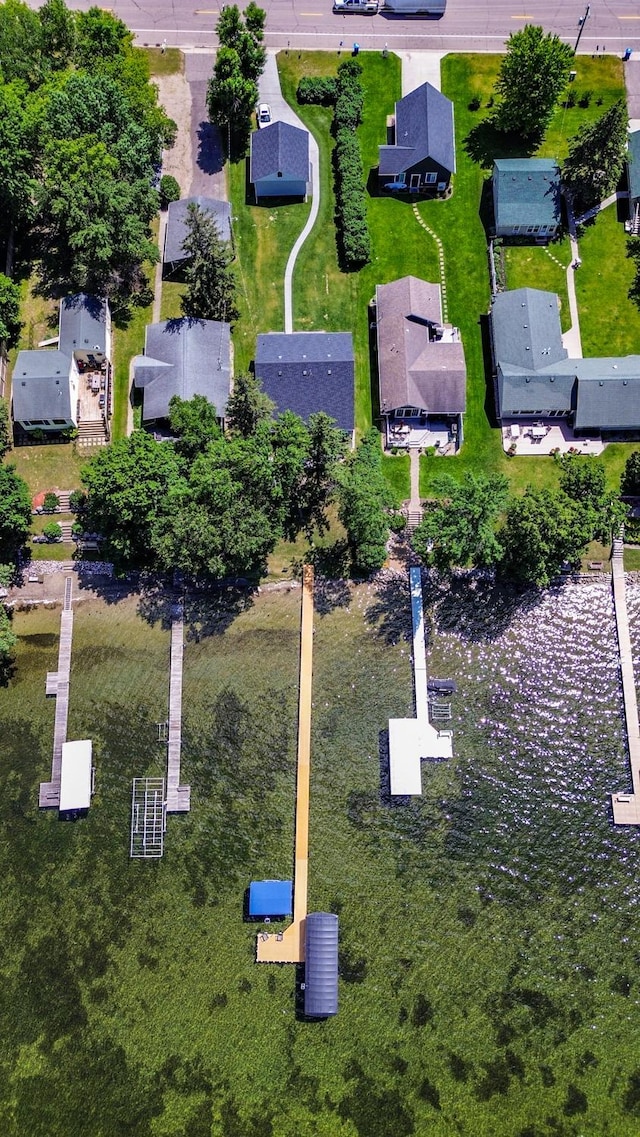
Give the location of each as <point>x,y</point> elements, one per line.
<point>608,393</point>
<point>306,372</point>
<point>185,358</point>
<point>526,329</point>
<point>83,323</point>
<point>424,131</point>
<point>40,386</point>
<point>280,148</point>
<point>420,362</point>
<point>177,224</point>
<point>526,191</point>
<point>633,164</point>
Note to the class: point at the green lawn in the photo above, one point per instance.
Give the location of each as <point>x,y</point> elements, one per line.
<point>395,468</point>
<point>168,62</point>
<point>609,321</point>
<point>48,467</point>
<point>170,307</point>
<point>535,266</point>
<point>263,236</point>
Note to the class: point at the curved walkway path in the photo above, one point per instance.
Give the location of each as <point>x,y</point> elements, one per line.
<point>271,93</point>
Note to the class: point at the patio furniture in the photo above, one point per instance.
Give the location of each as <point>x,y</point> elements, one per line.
<point>514,431</point>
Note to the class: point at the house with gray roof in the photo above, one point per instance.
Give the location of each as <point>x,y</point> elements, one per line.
<point>633,178</point>
<point>422,375</point>
<point>279,164</point>
<point>183,357</point>
<point>535,378</point>
<point>420,153</point>
<point>306,372</point>
<point>526,198</point>
<point>174,258</point>
<point>46,387</point>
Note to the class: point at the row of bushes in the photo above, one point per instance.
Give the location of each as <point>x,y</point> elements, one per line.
<point>346,95</point>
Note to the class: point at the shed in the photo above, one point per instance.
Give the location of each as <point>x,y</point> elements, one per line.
<point>321,965</point>
<point>279,162</point>
<point>76,776</point>
<point>270,898</point>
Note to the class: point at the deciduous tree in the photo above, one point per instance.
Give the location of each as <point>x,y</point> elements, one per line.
<point>364,499</point>
<point>533,75</point>
<point>58,34</point>
<point>232,98</point>
<point>597,155</point>
<point>460,530</point>
<point>630,482</point>
<point>542,530</point>
<point>10,324</point>
<point>195,423</point>
<point>15,513</point>
<point>8,639</point>
<point>5,429</point>
<point>20,43</point>
<point>128,484</point>
<point>211,282</point>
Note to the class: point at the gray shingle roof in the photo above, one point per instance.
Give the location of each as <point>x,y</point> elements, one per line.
<point>414,369</point>
<point>608,393</point>
<point>186,358</point>
<point>177,224</point>
<point>424,130</point>
<point>305,372</point>
<point>83,323</point>
<point>526,328</point>
<point>526,191</point>
<point>280,148</point>
<point>633,165</point>
<point>40,386</point>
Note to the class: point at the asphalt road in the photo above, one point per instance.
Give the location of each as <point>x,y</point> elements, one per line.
<point>468,25</point>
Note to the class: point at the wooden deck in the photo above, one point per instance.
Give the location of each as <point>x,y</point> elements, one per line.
<point>626,806</point>
<point>178,797</point>
<point>288,946</point>
<point>57,684</point>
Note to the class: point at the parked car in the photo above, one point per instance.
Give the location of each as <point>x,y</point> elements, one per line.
<point>368,7</point>
<point>264,114</point>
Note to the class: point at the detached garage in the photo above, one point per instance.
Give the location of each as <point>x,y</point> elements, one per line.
<point>279,163</point>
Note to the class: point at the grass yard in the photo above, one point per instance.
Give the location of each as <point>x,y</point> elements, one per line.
<point>263,236</point>
<point>168,62</point>
<point>170,307</point>
<point>609,321</point>
<point>537,266</point>
<point>479,993</point>
<point>48,467</point>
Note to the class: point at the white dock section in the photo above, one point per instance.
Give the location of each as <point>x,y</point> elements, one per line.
<point>626,806</point>
<point>410,740</point>
<point>178,797</point>
<point>58,685</point>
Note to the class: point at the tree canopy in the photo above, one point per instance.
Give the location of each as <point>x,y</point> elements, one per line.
<point>533,75</point>
<point>15,513</point>
<point>248,405</point>
<point>542,530</point>
<point>459,530</point>
<point>596,157</point>
<point>10,324</point>
<point>630,481</point>
<point>232,95</point>
<point>211,282</point>
<point>364,501</point>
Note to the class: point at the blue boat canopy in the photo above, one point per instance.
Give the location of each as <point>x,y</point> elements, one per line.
<point>270,898</point>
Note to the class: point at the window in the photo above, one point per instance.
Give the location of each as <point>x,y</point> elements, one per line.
<point>515,229</point>
<point>530,229</point>
<point>59,422</point>
<point>430,179</point>
<point>536,228</point>
<point>442,187</point>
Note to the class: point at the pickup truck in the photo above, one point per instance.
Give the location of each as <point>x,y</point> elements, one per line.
<point>368,7</point>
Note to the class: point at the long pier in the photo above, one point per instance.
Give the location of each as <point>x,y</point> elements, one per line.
<point>289,946</point>
<point>626,807</point>
<point>58,685</point>
<point>178,797</point>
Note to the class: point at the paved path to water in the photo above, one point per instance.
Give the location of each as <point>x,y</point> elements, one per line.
<point>288,946</point>
<point>58,685</point>
<point>626,807</point>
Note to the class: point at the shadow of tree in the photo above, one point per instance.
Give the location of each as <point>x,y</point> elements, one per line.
<point>479,609</point>
<point>390,612</point>
<point>485,142</point>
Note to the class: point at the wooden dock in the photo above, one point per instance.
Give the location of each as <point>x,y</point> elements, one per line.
<point>57,684</point>
<point>626,806</point>
<point>288,946</point>
<point>178,797</point>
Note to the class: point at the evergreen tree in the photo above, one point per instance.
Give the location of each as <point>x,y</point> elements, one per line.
<point>597,154</point>
<point>5,429</point>
<point>211,282</point>
<point>247,406</point>
<point>533,75</point>
<point>10,324</point>
<point>630,483</point>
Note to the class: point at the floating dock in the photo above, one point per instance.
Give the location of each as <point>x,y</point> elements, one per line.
<point>411,740</point>
<point>289,946</point>
<point>626,806</point>
<point>58,685</point>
